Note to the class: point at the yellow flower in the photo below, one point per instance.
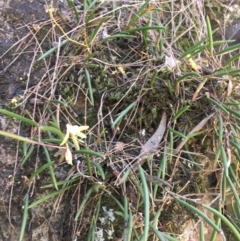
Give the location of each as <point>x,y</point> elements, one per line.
<point>73,132</point>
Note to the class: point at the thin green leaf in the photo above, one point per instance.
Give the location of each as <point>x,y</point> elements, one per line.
<point>53,130</point>
<point>25,148</point>
<point>17,137</point>
<point>153,78</point>
<point>95,31</point>
<point>89,152</point>
<point>46,197</point>
<point>100,170</point>
<point>146,205</point>
<point>40,169</point>
<point>52,50</point>
<point>235,194</point>
<point>229,49</point>
<point>28,154</point>
<point>178,133</point>
<point>85,199</point>
<point>222,72</point>
<point>198,212</point>
<point>18,117</point>
<point>202,231</point>
<point>24,219</point>
<point>138,14</point>
<point>89,86</point>
<point>210,34</point>
<point>224,160</point>
<point>119,35</point>
<point>145,28</point>
<point>235,57</point>
<point>124,177</point>
<point>130,226</point>
<point>186,76</point>
<point>225,220</point>
<point>64,182</point>
<point>76,12</point>
<point>123,113</point>
<point>180,112</point>
<point>219,105</point>
<point>160,234</point>
<point>52,174</point>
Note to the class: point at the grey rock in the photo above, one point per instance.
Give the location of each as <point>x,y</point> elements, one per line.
<point>232,31</point>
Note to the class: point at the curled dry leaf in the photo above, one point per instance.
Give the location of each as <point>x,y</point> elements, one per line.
<point>152,144</point>
<point>197,128</point>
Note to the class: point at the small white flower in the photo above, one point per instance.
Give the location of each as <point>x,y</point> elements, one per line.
<point>73,132</point>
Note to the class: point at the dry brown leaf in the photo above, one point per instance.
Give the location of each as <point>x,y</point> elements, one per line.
<point>152,144</point>
<point>197,128</point>
<point>198,90</point>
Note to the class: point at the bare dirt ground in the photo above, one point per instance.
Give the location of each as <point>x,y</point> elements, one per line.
<point>17,46</point>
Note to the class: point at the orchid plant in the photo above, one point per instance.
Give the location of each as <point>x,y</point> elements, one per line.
<point>73,132</point>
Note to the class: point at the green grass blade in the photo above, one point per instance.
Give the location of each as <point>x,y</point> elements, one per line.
<point>40,169</point>
<point>153,78</point>
<point>224,160</point>
<point>28,154</point>
<point>119,35</point>
<point>117,202</point>
<point>219,105</point>
<point>138,14</point>
<point>195,47</point>
<point>180,112</point>
<point>145,28</point>
<point>229,49</point>
<point>18,117</point>
<point>52,174</point>
<point>225,220</point>
<point>178,133</point>
<point>146,205</point>
<point>231,71</point>
<point>199,213</point>
<point>89,87</point>
<point>235,194</point>
<point>17,137</point>
<point>210,34</point>
<point>124,177</point>
<point>130,226</point>
<point>220,132</point>
<point>123,113</point>
<point>54,130</point>
<point>52,50</point>
<point>95,31</point>
<point>89,152</point>
<point>99,169</point>
<point>60,183</point>
<point>159,234</point>
<point>25,148</point>
<point>85,199</point>
<point>202,231</point>
<point>46,197</point>
<point>24,219</point>
<point>161,170</point>
<point>72,5</point>
<point>235,57</point>
<point>186,76</point>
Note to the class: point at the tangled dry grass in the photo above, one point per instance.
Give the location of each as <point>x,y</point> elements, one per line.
<point>121,67</point>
